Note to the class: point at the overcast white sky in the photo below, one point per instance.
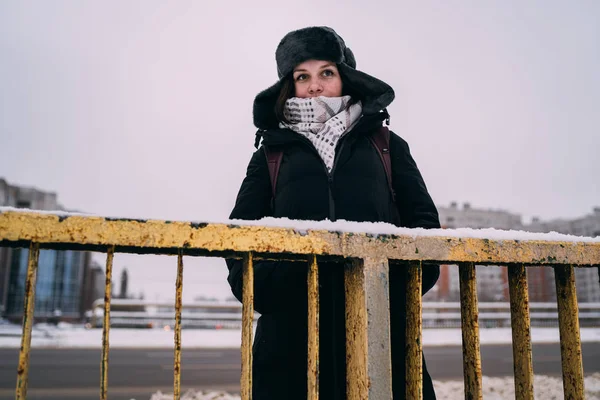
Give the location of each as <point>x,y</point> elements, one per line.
<point>144,108</point>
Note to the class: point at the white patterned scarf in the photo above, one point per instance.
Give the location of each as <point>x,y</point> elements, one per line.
<point>323,120</point>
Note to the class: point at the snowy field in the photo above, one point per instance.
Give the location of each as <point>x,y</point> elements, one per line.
<point>76,336</point>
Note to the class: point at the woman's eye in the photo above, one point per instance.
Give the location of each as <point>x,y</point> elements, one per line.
<point>328,72</point>
<point>301,77</point>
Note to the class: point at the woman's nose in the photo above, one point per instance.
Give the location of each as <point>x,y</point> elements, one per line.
<point>315,88</point>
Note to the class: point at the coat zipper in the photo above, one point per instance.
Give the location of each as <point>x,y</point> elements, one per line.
<point>335,161</point>
<point>330,180</point>
<point>329,174</point>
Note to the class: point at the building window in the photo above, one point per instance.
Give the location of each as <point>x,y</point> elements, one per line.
<point>23,204</point>
<point>58,287</point>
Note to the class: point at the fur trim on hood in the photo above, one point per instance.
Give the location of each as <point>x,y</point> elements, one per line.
<point>319,43</point>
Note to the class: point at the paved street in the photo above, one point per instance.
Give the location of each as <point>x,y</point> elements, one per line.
<point>137,373</point>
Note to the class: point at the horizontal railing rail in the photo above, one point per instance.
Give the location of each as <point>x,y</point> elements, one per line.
<point>367,257</point>
<point>434,314</point>
<point>196,305</point>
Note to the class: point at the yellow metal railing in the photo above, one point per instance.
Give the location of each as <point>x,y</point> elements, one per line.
<point>366,282</point>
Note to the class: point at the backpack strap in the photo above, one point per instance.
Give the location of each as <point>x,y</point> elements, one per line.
<point>381,142</point>
<point>273,162</point>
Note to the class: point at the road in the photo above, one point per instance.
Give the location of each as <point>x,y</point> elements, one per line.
<point>137,373</point>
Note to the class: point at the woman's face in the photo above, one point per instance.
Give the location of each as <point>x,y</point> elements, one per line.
<point>315,78</point>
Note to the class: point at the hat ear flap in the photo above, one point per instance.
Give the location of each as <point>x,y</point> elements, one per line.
<point>349,58</point>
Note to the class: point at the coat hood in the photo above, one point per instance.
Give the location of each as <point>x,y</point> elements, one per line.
<point>319,43</point>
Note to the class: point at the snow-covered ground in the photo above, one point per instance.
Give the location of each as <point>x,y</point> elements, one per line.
<point>544,387</point>
<point>76,336</point>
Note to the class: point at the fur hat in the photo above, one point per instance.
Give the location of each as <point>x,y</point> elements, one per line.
<point>319,43</point>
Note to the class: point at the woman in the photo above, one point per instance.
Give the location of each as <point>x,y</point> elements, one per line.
<point>320,116</point>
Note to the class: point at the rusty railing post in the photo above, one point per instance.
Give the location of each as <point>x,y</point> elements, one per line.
<point>313,329</point>
<point>368,347</point>
<point>247,325</point>
<point>110,253</point>
<point>28,311</point>
<point>178,301</point>
<point>521,332</point>
<point>570,341</point>
<point>470,331</point>
<point>414,329</point>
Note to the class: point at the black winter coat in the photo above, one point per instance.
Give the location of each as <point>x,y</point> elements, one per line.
<point>356,190</point>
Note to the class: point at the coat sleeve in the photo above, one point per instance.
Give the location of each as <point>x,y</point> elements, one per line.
<point>415,206</point>
<point>278,285</point>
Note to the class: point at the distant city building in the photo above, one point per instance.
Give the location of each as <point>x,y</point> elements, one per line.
<point>468,217</point>
<point>542,287</point>
<point>62,276</point>
<point>94,285</point>
<point>588,225</point>
<point>124,280</point>
<point>58,288</point>
<point>586,279</point>
<point>27,197</point>
<point>492,282</point>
